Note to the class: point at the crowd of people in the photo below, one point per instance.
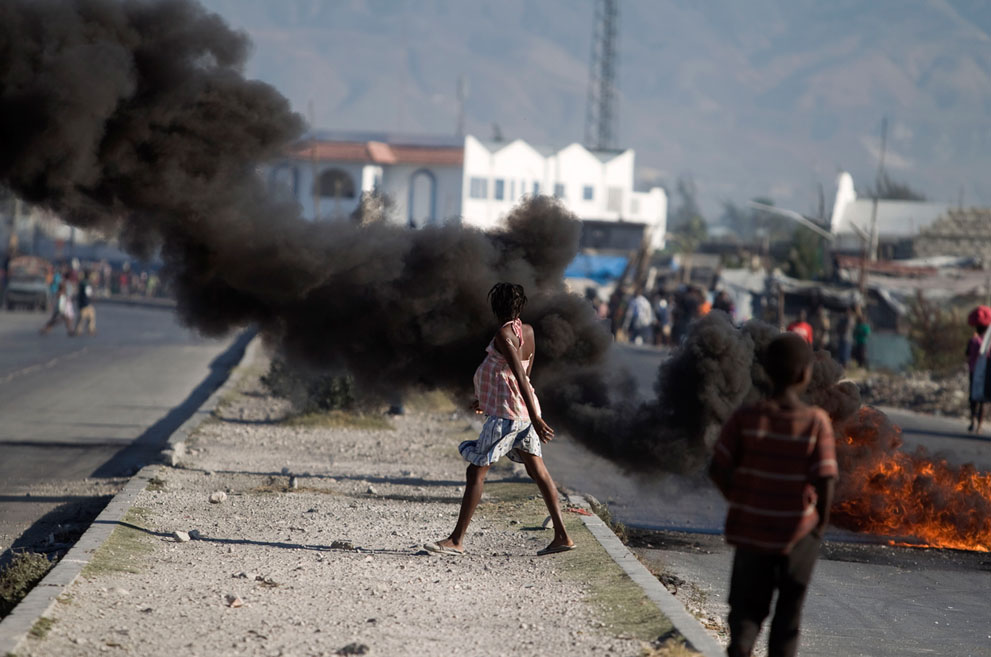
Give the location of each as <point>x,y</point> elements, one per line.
<point>662,318</point>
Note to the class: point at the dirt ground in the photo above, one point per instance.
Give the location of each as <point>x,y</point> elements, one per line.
<point>316,550</point>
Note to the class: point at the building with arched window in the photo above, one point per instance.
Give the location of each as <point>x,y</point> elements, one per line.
<point>327,174</point>
<point>435,179</point>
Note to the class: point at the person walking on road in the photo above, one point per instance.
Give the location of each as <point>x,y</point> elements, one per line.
<point>639,320</point>
<point>820,329</point>
<point>775,461</point>
<point>844,332</point>
<point>802,327</point>
<point>513,424</point>
<point>62,310</point>
<point>861,333</point>
<point>84,304</point>
<point>980,319</point>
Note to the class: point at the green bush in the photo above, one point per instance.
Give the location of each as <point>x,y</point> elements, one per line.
<point>19,576</point>
<point>310,392</point>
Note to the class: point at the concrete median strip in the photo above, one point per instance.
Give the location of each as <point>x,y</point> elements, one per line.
<point>380,494</point>
<point>684,622</point>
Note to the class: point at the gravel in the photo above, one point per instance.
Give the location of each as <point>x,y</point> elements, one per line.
<point>333,565</point>
<point>919,392</point>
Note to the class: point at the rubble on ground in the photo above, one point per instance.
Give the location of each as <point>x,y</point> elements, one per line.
<point>919,392</point>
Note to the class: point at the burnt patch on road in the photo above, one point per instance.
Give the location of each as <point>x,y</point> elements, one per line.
<point>878,552</point>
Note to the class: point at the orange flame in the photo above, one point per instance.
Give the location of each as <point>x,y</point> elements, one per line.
<point>892,493</point>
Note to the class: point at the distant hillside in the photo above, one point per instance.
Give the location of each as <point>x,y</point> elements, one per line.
<point>756,98</point>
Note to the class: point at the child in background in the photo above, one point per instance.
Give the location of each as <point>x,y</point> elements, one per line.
<point>802,327</point>
<point>62,310</point>
<point>980,319</point>
<point>861,334</point>
<point>775,461</point>
<point>513,426</point>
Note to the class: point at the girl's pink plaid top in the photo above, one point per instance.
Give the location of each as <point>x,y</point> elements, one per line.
<point>496,388</point>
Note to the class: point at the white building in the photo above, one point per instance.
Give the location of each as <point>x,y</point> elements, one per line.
<point>597,186</point>
<point>436,179</point>
<point>326,174</point>
<point>897,222</point>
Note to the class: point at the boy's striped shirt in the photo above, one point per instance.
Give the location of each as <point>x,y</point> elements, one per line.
<point>774,456</point>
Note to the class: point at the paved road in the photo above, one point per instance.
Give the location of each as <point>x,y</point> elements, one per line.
<point>868,599</point>
<point>79,413</point>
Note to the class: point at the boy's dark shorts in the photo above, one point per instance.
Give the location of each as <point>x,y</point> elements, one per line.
<point>756,576</point>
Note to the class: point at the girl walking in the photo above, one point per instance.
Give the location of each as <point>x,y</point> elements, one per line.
<point>513,426</point>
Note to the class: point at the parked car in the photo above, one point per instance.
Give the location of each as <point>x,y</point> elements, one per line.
<point>27,283</point>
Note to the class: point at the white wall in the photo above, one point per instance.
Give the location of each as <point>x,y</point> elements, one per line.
<point>393,179</point>
<point>396,179</point>
<point>519,165</point>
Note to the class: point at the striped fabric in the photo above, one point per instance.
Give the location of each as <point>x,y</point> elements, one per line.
<point>774,455</point>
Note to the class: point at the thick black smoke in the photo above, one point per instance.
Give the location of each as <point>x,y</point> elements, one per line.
<point>717,369</point>
<point>132,118</point>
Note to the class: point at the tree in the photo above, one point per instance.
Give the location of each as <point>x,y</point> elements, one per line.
<point>892,190</point>
<point>688,226</point>
<point>805,257</point>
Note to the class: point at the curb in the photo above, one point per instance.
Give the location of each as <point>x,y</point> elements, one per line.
<point>686,624</point>
<point>175,447</point>
<point>15,626</point>
<point>144,302</point>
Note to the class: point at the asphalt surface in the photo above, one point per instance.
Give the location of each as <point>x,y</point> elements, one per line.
<point>80,413</point>
<point>867,598</point>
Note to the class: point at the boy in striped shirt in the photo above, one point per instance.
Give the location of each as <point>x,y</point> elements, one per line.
<point>775,462</point>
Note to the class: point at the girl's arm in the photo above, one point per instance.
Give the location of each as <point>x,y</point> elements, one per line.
<point>503,342</point>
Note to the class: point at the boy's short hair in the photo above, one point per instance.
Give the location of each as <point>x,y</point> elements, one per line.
<point>786,358</point>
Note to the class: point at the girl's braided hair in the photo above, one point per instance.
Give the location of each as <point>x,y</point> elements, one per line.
<point>507,299</point>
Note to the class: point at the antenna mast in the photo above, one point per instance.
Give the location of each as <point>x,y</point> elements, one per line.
<point>600,109</point>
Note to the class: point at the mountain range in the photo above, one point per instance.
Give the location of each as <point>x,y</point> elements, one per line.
<point>762,98</point>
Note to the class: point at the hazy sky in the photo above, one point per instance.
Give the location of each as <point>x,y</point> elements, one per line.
<point>757,98</point>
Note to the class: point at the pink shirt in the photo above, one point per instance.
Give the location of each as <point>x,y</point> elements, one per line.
<point>496,388</point>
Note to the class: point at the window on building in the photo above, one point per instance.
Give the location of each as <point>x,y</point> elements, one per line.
<point>284,181</point>
<point>335,183</point>
<point>558,190</point>
<point>536,188</point>
<point>499,190</point>
<point>512,190</point>
<point>614,199</point>
<point>478,187</point>
<point>588,193</point>
<point>422,206</point>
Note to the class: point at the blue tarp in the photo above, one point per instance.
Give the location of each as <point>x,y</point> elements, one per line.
<point>600,268</point>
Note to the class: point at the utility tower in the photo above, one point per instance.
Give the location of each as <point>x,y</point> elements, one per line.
<point>600,110</point>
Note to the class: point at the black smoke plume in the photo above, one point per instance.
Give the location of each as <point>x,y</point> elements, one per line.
<point>132,118</point>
